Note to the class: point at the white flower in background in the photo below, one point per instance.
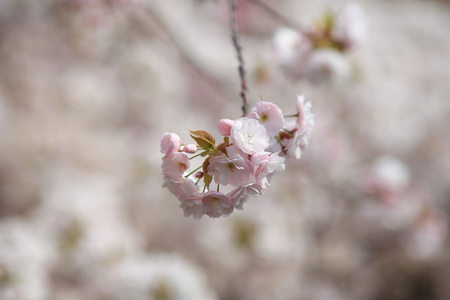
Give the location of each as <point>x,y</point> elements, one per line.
<point>388,177</point>
<point>292,49</point>
<point>156,277</point>
<point>328,65</point>
<point>85,217</point>
<point>25,259</point>
<point>264,231</point>
<point>351,26</point>
<point>428,234</point>
<point>319,52</point>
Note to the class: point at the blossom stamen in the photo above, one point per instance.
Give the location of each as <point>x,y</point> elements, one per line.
<point>264,118</point>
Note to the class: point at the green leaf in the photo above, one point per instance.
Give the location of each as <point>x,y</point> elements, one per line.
<point>204,139</point>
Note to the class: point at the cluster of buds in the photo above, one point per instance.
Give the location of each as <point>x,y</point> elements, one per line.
<point>317,53</point>
<point>253,150</point>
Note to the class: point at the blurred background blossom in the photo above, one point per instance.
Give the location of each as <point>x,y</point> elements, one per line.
<point>88,87</point>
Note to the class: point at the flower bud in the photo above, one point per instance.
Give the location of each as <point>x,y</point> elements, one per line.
<point>191,148</point>
<point>224,126</point>
<point>170,142</point>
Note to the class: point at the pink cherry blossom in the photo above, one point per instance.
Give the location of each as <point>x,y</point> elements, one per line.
<point>191,148</point>
<point>269,115</point>
<point>293,146</point>
<point>216,204</point>
<point>249,135</point>
<point>195,210</point>
<point>170,142</point>
<point>298,132</point>
<point>247,160</point>
<point>274,145</point>
<point>269,164</point>
<point>175,164</point>
<point>241,194</point>
<point>305,119</point>
<point>192,205</point>
<point>300,110</point>
<point>181,187</point>
<point>229,169</point>
<point>224,126</point>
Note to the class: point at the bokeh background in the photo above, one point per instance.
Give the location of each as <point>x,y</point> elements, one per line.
<point>88,87</point>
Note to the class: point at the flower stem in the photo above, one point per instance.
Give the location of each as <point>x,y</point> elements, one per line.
<point>198,155</point>
<point>192,172</point>
<point>291,116</point>
<point>283,149</point>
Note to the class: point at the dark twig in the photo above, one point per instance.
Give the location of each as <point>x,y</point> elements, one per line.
<point>238,48</point>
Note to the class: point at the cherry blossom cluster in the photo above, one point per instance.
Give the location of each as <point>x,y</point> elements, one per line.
<point>317,53</point>
<point>253,150</point>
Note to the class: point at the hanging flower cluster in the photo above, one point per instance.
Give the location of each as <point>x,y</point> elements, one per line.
<point>253,150</point>
<point>317,53</point>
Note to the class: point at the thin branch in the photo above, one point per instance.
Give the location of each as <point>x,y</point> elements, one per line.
<point>238,48</point>
<point>278,16</point>
<point>171,38</point>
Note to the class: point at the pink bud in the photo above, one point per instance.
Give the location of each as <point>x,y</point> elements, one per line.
<point>199,175</point>
<point>170,142</point>
<point>224,126</point>
<point>191,148</point>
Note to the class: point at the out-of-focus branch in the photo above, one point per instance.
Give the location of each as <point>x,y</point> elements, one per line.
<point>167,34</point>
<point>278,16</point>
<point>238,48</point>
